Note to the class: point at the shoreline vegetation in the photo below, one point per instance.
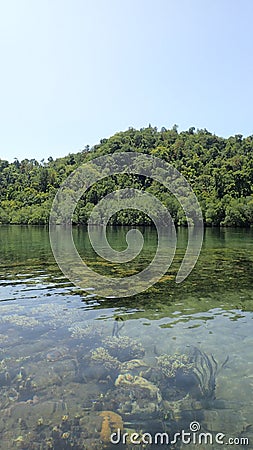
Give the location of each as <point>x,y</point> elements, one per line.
<point>219,170</point>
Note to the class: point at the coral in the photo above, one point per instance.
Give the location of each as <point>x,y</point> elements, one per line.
<point>50,310</point>
<point>171,365</point>
<point>102,356</point>
<point>111,423</point>
<point>22,321</point>
<point>19,441</point>
<point>3,365</point>
<point>3,338</point>
<point>11,308</point>
<point>123,348</point>
<point>83,330</point>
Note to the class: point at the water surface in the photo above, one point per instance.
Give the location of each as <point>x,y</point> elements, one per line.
<point>74,367</point>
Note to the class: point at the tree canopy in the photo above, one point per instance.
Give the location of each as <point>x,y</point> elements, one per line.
<point>220,171</point>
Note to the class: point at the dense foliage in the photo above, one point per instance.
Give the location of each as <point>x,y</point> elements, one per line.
<point>219,170</point>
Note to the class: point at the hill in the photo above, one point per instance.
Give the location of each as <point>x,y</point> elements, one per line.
<point>220,171</point>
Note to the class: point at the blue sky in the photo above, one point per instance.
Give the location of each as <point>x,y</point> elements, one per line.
<point>73,72</point>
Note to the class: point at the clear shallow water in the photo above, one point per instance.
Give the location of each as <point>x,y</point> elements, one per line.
<point>65,360</point>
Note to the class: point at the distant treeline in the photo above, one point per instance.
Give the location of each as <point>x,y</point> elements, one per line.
<point>219,170</point>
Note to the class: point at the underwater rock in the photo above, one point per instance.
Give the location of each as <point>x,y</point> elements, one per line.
<point>15,384</point>
<point>57,353</point>
<point>137,396</point>
<point>42,428</point>
<point>88,371</point>
<point>183,409</point>
<point>134,366</point>
<point>44,376</point>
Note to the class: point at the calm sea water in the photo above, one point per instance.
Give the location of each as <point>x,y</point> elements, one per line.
<point>76,368</point>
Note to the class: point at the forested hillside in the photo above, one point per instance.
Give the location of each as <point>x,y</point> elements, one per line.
<point>219,170</point>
